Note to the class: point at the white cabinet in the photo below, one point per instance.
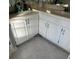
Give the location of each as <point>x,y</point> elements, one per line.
<point>33,23</point>
<point>24,27</point>
<point>49,30</point>
<point>64,38</point>
<point>48,27</point>
<point>42,27</point>
<point>19,30</point>
<point>53,32</point>
<point>51,27</point>
<point>55,29</point>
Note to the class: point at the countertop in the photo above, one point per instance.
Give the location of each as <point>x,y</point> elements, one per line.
<point>54,9</point>
<point>24,13</point>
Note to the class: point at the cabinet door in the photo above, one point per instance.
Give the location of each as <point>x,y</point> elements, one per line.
<point>34,24</point>
<point>28,27</point>
<point>42,27</point>
<point>64,39</point>
<point>53,32</point>
<point>19,31</point>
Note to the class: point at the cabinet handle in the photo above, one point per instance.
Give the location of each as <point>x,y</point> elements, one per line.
<point>47,25</point>
<point>15,42</point>
<point>63,32</point>
<point>28,20</point>
<point>58,41</point>
<point>61,29</point>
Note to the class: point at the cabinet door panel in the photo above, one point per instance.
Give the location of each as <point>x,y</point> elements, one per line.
<point>20,35</point>
<point>64,41</point>
<point>34,24</point>
<point>18,27</point>
<point>42,27</point>
<point>20,32</point>
<point>53,32</point>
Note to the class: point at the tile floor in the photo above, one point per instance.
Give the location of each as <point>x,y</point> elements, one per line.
<point>38,48</point>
